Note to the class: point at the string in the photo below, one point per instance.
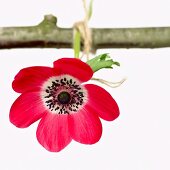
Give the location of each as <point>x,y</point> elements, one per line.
<point>110,84</point>
<point>85,31</point>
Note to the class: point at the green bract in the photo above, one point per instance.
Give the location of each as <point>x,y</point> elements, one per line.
<point>102,61</point>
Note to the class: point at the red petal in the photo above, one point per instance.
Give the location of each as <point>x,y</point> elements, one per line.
<point>31,78</point>
<point>75,68</point>
<point>102,102</point>
<point>85,126</point>
<point>26,109</point>
<point>52,132</point>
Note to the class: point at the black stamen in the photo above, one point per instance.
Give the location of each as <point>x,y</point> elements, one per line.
<point>70,98</point>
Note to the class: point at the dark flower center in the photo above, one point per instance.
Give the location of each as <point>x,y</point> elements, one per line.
<point>64,97</point>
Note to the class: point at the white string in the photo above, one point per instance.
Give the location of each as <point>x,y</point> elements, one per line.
<point>85,32</point>
<point>110,84</point>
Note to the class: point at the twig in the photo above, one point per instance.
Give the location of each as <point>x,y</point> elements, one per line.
<point>48,35</point>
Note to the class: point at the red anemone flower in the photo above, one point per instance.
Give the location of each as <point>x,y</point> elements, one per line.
<point>67,108</point>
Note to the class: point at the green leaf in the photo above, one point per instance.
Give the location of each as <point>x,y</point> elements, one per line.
<point>76,44</point>
<point>116,63</point>
<point>102,61</point>
<point>90,10</point>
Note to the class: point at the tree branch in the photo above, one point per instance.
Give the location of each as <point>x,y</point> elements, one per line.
<point>48,35</point>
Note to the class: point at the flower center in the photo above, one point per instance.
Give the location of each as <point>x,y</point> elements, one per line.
<point>64,97</point>
<point>63,94</point>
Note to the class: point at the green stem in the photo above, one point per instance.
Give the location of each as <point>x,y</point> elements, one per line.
<point>76,43</point>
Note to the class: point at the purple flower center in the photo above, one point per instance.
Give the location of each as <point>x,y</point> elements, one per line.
<point>63,95</point>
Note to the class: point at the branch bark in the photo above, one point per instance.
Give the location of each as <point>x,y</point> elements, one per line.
<point>48,35</point>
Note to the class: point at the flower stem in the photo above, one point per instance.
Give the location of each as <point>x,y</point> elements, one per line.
<point>76,43</point>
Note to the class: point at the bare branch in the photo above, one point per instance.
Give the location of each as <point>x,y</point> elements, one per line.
<point>48,35</point>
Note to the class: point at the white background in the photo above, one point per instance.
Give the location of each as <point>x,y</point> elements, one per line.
<point>140,138</point>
